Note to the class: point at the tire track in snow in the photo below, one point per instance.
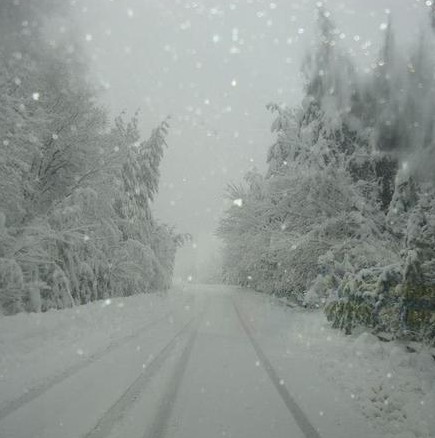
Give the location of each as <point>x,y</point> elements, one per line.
<point>298,414</point>
<point>158,428</point>
<point>117,411</point>
<point>47,384</point>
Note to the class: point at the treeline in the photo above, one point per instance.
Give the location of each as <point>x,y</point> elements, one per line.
<point>75,190</point>
<point>344,217</point>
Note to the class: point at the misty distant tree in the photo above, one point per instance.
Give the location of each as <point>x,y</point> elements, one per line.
<point>140,173</point>
<point>285,147</point>
<point>331,91</point>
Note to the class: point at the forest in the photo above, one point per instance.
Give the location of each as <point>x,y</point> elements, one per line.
<point>344,217</point>
<point>76,188</point>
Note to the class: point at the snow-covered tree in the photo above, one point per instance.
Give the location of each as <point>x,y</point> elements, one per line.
<point>342,217</point>
<point>75,216</point>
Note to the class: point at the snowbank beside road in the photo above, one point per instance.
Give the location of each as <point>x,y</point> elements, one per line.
<point>393,389</point>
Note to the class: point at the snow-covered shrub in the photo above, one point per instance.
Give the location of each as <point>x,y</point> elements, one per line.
<point>11,286</point>
<point>317,292</point>
<point>59,294</point>
<point>368,297</point>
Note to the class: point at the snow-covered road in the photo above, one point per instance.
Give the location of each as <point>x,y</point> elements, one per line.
<point>205,361</point>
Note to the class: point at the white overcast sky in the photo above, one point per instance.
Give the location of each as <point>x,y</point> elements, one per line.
<point>213,66</point>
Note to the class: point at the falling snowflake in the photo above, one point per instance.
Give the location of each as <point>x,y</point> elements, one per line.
<point>238,202</point>
<point>107,302</point>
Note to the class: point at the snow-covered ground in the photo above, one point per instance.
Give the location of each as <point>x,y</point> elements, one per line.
<point>36,347</point>
<point>206,361</point>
